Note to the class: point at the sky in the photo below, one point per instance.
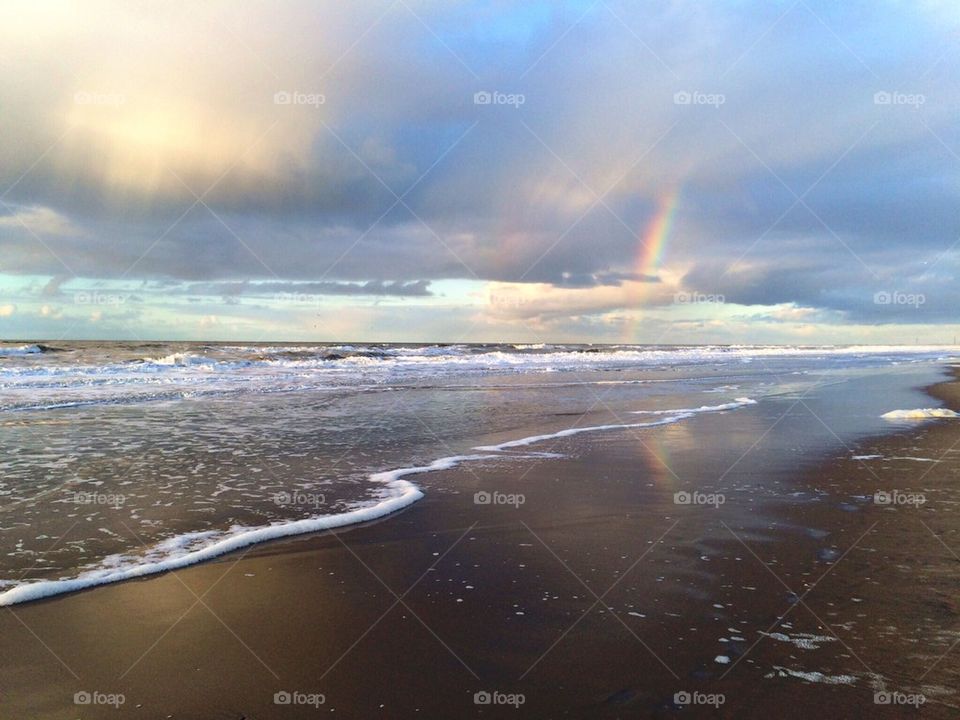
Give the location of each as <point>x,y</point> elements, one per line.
<point>487,171</point>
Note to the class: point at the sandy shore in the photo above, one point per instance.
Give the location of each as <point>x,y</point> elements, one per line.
<point>598,596</point>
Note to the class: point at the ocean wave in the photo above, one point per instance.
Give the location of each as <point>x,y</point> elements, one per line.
<point>460,357</point>
<point>66,379</point>
<point>21,350</point>
<point>179,359</point>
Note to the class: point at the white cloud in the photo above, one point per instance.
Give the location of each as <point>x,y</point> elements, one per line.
<point>39,220</point>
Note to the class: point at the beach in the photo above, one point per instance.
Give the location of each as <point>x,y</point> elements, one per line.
<point>612,573</point>
<point>581,360</point>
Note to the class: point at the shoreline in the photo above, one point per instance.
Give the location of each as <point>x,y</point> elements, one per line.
<point>597,605</point>
<point>404,494</point>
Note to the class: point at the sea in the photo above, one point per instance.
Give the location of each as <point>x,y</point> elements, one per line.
<point>125,459</point>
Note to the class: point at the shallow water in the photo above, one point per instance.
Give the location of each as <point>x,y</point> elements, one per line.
<point>120,458</point>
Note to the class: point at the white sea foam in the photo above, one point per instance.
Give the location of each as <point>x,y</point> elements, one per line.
<point>576,431</point>
<point>893,457</point>
<point>462,358</point>
<point>919,414</point>
<point>814,677</point>
<point>92,377</point>
<point>804,641</point>
<point>672,416</point>
<point>180,359</point>
<point>183,550</point>
<point>738,403</point>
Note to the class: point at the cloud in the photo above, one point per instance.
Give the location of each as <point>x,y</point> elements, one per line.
<point>616,279</point>
<point>39,220</point>
<point>52,288</point>
<point>280,290</point>
<point>336,149</point>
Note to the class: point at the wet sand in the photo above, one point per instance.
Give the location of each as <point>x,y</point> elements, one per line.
<point>598,597</point>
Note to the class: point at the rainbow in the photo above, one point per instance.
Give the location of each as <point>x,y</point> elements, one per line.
<point>650,254</point>
<point>655,238</point>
